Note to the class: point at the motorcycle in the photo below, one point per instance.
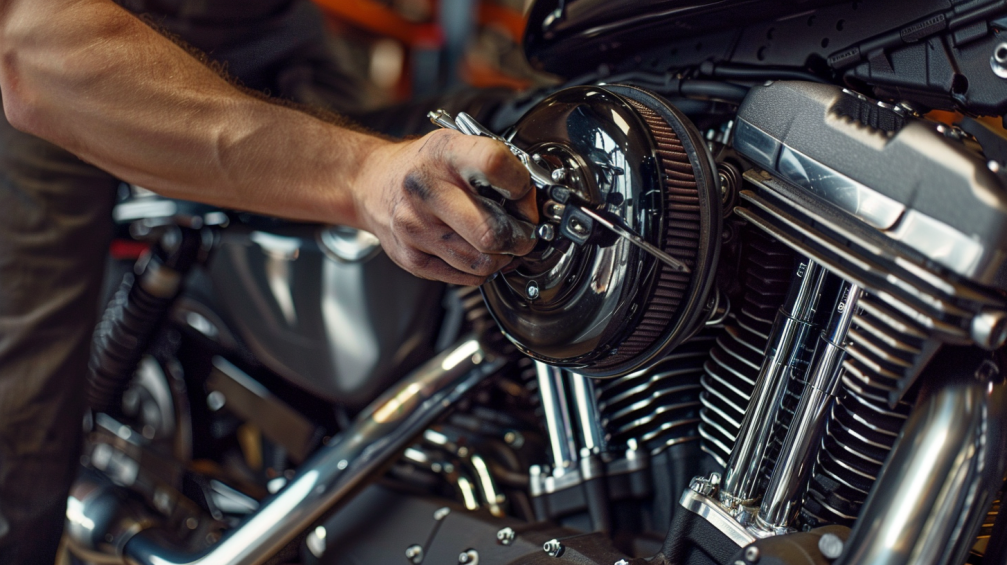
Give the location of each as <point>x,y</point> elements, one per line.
<point>764,323</point>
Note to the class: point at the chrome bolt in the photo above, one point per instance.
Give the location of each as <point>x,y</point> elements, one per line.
<point>622,562</point>
<point>752,554</point>
<point>468,557</point>
<point>998,62</point>
<point>546,232</point>
<point>553,548</point>
<point>553,210</point>
<point>414,553</point>
<point>558,175</point>
<point>532,290</point>
<point>215,400</point>
<point>831,546</point>
<point>506,536</point>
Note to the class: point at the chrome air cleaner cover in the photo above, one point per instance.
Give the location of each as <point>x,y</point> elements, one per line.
<point>606,308</point>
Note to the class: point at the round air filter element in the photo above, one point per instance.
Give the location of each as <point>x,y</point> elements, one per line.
<point>605,308</point>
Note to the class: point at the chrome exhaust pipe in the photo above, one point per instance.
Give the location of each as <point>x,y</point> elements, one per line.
<point>380,433</point>
<point>939,481</point>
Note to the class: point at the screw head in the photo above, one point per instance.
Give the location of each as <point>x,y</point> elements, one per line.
<point>468,556</point>
<point>546,232</point>
<point>532,290</point>
<point>558,175</point>
<point>506,536</point>
<point>752,554</point>
<point>622,562</point>
<point>553,548</point>
<point>831,546</point>
<point>414,553</point>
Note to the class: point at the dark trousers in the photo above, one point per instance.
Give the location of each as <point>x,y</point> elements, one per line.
<point>55,226</point>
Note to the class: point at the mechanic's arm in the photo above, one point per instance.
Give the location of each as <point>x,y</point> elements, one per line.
<point>88,76</point>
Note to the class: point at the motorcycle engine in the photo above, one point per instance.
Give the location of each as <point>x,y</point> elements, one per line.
<point>586,300</point>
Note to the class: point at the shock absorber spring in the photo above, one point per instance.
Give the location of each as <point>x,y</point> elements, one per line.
<point>136,310</point>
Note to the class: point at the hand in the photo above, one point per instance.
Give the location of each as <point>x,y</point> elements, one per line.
<point>422,199</point>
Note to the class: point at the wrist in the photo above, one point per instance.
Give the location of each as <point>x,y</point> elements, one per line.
<point>367,186</point>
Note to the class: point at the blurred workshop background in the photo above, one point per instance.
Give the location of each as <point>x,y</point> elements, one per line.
<point>410,49</point>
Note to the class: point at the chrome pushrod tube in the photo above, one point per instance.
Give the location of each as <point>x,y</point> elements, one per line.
<point>939,480</point>
<point>562,442</point>
<point>784,352</point>
<point>385,428</point>
<point>787,483</point>
<point>588,418</point>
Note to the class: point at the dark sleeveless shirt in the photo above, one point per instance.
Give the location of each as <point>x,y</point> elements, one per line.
<point>279,46</point>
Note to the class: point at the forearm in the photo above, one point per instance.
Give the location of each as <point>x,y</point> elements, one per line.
<point>91,78</point>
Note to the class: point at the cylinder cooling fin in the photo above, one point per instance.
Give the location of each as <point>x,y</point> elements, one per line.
<point>604,308</point>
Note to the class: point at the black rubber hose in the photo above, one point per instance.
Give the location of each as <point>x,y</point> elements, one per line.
<point>670,85</point>
<point>729,71</point>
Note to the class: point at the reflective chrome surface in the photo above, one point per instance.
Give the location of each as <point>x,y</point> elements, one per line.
<point>585,293</point>
<point>874,208</point>
<point>586,410</point>
<point>559,426</point>
<point>379,433</point>
<point>784,495</point>
<point>939,480</point>
<point>784,352</point>
<point>716,515</point>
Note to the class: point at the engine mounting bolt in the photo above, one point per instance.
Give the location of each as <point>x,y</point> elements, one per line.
<point>831,546</point>
<point>752,554</point>
<point>546,232</point>
<point>506,536</point>
<point>532,290</point>
<point>553,548</point>
<point>414,553</point>
<point>558,175</point>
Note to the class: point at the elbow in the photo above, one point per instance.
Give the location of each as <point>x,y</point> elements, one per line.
<point>20,113</point>
<point>18,105</point>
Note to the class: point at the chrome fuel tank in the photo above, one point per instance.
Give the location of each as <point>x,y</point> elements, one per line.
<point>324,310</point>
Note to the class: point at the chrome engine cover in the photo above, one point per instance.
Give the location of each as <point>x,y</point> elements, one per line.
<point>605,308</point>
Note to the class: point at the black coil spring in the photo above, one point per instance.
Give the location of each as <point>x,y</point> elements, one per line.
<point>132,316</point>
<point>120,340</point>
<point>883,347</point>
<point>733,363</point>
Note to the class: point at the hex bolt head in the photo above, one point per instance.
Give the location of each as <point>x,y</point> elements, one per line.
<point>506,536</point>
<point>831,546</point>
<point>414,553</point>
<point>546,232</point>
<point>752,554</point>
<point>532,290</point>
<point>468,557</point>
<point>553,548</point>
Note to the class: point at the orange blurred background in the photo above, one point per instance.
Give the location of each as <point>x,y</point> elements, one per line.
<point>415,48</point>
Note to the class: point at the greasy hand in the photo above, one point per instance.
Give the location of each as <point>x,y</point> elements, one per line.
<point>421,198</point>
